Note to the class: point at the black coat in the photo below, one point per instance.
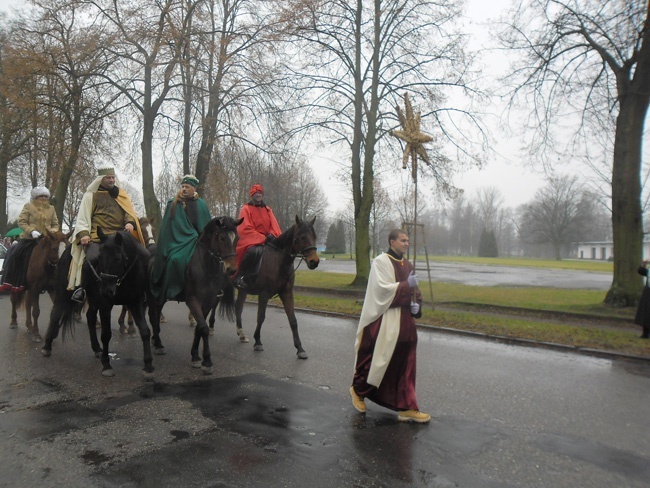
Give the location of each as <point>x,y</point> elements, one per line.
<point>642,317</point>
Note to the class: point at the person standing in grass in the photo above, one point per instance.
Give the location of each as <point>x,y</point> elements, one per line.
<point>387,338</point>
<point>642,317</point>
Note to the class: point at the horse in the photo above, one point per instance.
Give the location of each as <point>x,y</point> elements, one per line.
<point>207,284</point>
<point>120,278</point>
<point>41,269</point>
<point>276,277</point>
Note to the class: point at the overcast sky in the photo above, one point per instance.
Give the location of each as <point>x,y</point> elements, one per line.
<point>505,168</point>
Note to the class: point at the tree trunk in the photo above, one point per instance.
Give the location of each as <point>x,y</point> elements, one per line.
<point>627,224</point>
<point>151,204</point>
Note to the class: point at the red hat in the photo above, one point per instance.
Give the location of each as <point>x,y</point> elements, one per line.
<point>256,188</point>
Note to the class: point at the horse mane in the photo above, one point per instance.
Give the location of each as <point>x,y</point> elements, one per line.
<point>286,238</point>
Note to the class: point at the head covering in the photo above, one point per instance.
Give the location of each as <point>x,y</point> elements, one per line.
<point>190,180</point>
<point>105,171</point>
<point>40,191</point>
<point>256,188</point>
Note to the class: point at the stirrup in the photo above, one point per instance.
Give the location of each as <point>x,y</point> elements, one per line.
<point>79,295</point>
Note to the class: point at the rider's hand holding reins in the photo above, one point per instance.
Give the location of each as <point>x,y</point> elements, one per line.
<point>84,241</point>
<point>128,227</point>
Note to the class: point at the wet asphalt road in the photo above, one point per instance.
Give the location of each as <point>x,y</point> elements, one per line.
<point>503,416</point>
<point>488,275</point>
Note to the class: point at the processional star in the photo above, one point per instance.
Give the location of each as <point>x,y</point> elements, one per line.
<point>412,136</point>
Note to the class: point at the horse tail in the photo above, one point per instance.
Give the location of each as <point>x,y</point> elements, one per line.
<point>64,309</point>
<point>227,303</point>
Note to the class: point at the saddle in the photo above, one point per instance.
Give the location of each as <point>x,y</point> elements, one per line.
<point>250,266</point>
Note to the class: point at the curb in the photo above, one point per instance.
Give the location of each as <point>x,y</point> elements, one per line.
<point>585,351</point>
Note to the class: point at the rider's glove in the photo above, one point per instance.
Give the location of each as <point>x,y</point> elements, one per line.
<point>270,238</point>
<point>412,280</point>
<point>36,234</point>
<point>415,308</point>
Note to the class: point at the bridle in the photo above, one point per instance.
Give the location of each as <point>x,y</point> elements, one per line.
<point>216,257</point>
<point>293,255</point>
<point>107,276</point>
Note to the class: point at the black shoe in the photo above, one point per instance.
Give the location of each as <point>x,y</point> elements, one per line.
<point>79,295</point>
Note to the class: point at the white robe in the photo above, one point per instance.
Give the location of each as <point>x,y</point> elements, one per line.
<point>381,291</point>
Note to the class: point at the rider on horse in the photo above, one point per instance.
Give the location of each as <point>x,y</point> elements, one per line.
<point>36,218</point>
<point>104,206</point>
<point>185,217</point>
<point>259,227</point>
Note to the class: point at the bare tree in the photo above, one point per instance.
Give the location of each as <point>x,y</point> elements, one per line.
<point>592,58</point>
<point>355,60</point>
<point>559,214</point>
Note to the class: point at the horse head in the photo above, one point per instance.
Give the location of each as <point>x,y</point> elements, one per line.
<point>148,233</point>
<point>53,243</point>
<point>116,258</point>
<point>220,238</point>
<point>304,242</point>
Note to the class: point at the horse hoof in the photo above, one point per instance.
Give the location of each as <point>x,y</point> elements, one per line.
<point>148,375</point>
<point>13,326</point>
<point>258,347</point>
<point>211,331</point>
<point>46,352</point>
<point>302,355</point>
<point>243,339</point>
<point>160,351</point>
<point>37,338</point>
<point>197,364</point>
<point>108,373</point>
<point>207,370</point>
<point>98,354</point>
<point>123,330</point>
<point>132,331</point>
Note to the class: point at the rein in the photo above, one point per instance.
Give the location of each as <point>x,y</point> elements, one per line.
<point>299,254</point>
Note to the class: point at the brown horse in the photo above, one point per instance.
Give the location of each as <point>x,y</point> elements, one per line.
<point>207,284</point>
<point>41,270</point>
<point>276,277</point>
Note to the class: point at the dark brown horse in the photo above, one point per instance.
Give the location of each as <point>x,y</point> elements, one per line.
<point>41,269</point>
<point>276,277</point>
<point>207,284</point>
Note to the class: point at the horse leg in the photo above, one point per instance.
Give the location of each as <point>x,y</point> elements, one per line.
<point>33,299</point>
<point>91,321</point>
<point>239,308</point>
<point>262,301</point>
<point>120,320</point>
<point>145,335</point>
<point>155,312</point>
<point>200,332</point>
<point>287,301</point>
<point>130,322</point>
<point>14,316</point>
<point>191,319</point>
<point>107,334</point>
<point>53,327</point>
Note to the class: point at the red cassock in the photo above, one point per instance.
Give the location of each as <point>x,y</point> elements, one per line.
<point>258,223</point>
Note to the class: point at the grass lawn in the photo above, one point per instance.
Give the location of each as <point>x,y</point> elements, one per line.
<point>518,318</point>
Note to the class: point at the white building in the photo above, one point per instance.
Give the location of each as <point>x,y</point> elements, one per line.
<point>603,250</point>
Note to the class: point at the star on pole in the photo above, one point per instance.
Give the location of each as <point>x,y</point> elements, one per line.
<point>412,136</point>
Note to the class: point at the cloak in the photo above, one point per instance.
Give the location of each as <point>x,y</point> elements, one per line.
<point>84,222</point>
<point>259,222</point>
<point>176,243</point>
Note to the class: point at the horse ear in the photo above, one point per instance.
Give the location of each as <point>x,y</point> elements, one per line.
<point>119,237</point>
<point>100,234</point>
<point>312,221</point>
<point>219,221</point>
<point>297,220</point>
<point>49,234</point>
<point>152,220</point>
<point>238,222</point>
